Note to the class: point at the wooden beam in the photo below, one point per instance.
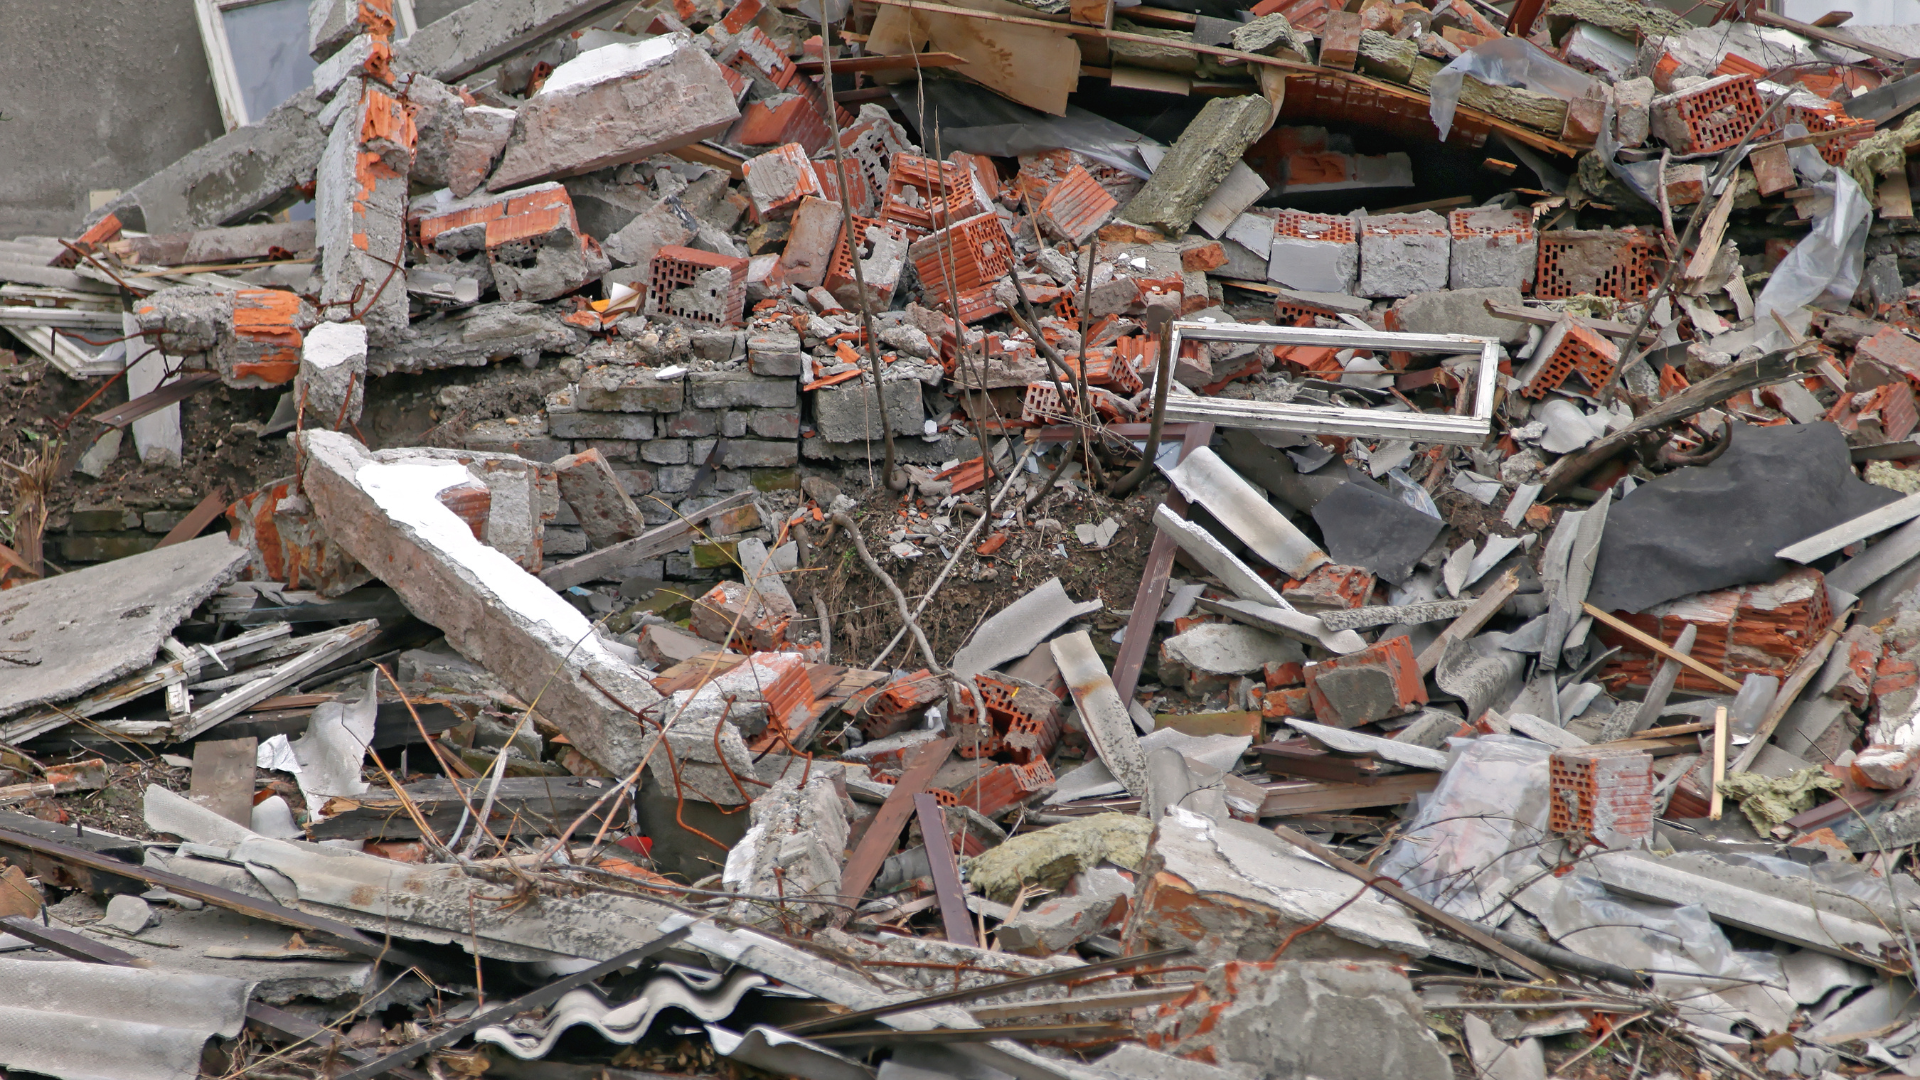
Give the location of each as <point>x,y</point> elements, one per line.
<point>887,823</point>
<point>894,62</point>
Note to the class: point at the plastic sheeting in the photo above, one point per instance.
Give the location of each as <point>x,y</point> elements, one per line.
<point>993,125</point>
<point>1503,62</point>
<point>1824,267</point>
<point>1476,838</point>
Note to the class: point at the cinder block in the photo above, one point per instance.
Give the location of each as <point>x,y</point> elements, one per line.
<point>850,411</point>
<point>1492,248</point>
<point>761,453</point>
<point>1314,252</point>
<point>621,389</point>
<point>528,439</point>
<point>600,425</point>
<point>1380,681</point>
<point>666,451</point>
<point>690,424</point>
<point>774,351</point>
<point>733,389</point>
<point>774,423</point>
<point>1403,254</point>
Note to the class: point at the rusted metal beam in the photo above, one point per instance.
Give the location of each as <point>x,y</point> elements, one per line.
<point>886,826</point>
<point>946,873</point>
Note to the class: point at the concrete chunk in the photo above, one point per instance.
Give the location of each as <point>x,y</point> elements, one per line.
<point>333,374</point>
<point>458,143</point>
<point>1055,925</point>
<point>792,848</point>
<point>850,412</point>
<point>595,494</point>
<point>1234,891</point>
<point>616,104</point>
<point>499,616</point>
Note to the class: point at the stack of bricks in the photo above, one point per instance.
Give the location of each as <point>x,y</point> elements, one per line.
<point>100,533</point>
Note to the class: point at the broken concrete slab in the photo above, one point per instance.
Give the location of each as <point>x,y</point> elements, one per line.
<point>259,167</point>
<point>498,615</point>
<point>1234,891</point>
<point>793,848</point>
<point>478,35</point>
<point>1221,649</point>
<point>617,104</point>
<point>360,203</point>
<point>1324,1019</point>
<point>67,634</point>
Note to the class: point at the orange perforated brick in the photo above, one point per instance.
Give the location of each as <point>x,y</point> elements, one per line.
<point>1712,116</point>
<point>967,258</point>
<point>1572,349</point>
<point>1042,405</point>
<point>1300,225</point>
<point>1601,796</point>
<point>1621,263</point>
<point>926,194</point>
<point>679,285</point>
<point>1076,207</point>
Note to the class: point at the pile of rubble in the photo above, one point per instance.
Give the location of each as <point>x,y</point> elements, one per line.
<point>1523,667</point>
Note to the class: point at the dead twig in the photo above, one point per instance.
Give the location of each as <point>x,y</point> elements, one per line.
<point>899,598</point>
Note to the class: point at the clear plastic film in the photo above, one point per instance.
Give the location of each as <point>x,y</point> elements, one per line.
<point>977,121</point>
<point>1478,836</point>
<point>1824,268</point>
<point>1505,61</point>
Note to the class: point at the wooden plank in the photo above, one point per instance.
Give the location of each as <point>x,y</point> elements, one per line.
<point>223,778</point>
<point>701,154</point>
<point>198,518</point>
<point>945,872</point>
<point>850,65</point>
<point>1285,800</point>
<point>1719,761</point>
<point>1470,622</point>
<point>1660,647</point>
<point>885,829</point>
<point>324,649</point>
<point>1820,33</point>
<point>1153,581</point>
<point>1892,196</point>
<point>647,545</point>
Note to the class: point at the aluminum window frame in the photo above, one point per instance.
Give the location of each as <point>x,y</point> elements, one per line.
<point>211,15</point>
<point>1470,430</point>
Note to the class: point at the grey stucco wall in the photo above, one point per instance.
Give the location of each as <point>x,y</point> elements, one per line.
<point>101,94</point>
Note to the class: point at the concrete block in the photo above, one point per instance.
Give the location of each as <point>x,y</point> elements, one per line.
<point>259,167</point>
<point>1380,681</point>
<point>601,425</point>
<point>333,374</point>
<point>1461,311</point>
<point>1297,1018</point>
<point>850,411</point>
<point>762,453</point>
<point>1491,248</point>
<point>673,479</point>
<point>618,389</point>
<point>735,389</point>
<point>1403,254</point>
<point>528,439</point>
<point>1199,160</point>
<point>733,424</point>
<point>480,34</point>
<point>589,486</point>
<point>795,843</point>
<point>161,521</point>
<point>1313,252</point>
<point>493,612</point>
<point>774,352</point>
<point>360,206</point>
<point>615,104</point>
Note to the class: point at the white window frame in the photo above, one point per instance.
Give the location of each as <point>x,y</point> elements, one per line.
<point>1470,430</point>
<point>226,77</point>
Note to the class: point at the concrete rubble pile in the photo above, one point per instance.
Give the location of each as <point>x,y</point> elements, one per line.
<point>1471,636</point>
